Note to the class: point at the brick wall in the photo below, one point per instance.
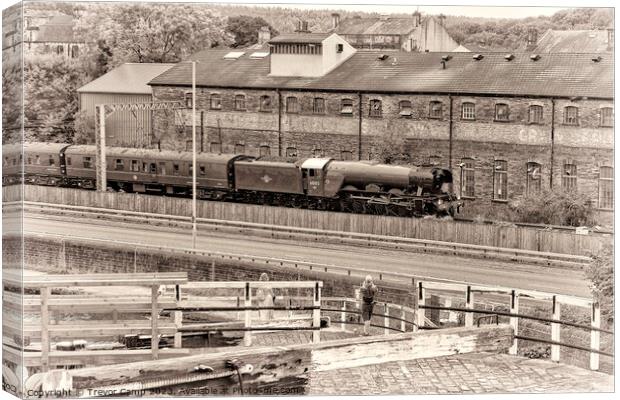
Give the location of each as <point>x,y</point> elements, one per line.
<point>518,140</point>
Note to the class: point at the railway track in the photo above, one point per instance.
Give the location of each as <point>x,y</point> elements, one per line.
<point>304,234</point>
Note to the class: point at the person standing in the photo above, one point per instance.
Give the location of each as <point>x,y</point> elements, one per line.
<point>368,291</point>
<point>265,299</point>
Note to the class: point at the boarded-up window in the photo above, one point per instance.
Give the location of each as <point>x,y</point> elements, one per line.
<point>468,177</point>
<point>502,112</point>
<point>264,151</point>
<point>536,114</point>
<point>265,103</point>
<point>239,148</point>
<point>500,180</point>
<point>346,155</point>
<point>215,147</point>
<point>216,101</point>
<point>607,116</point>
<point>404,107</point>
<point>569,176</point>
<point>240,102</point>
<point>435,109</point>
<point>375,108</point>
<point>571,115</point>
<point>346,107</point>
<point>291,152</point>
<point>468,111</point>
<point>606,188</point>
<point>533,178</point>
<point>292,106</point>
<point>318,106</point>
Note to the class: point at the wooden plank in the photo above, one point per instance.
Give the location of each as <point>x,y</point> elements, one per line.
<point>91,330</point>
<point>92,358</point>
<point>420,313</point>
<point>45,335</point>
<point>595,336</point>
<point>555,331</point>
<point>87,280</point>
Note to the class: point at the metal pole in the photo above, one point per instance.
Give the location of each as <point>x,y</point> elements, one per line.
<point>194,154</point>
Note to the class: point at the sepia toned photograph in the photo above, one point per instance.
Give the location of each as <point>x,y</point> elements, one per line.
<point>226,199</point>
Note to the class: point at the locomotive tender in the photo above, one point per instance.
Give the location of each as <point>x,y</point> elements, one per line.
<point>315,183</point>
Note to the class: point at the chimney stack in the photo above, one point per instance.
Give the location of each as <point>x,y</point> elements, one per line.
<point>264,35</point>
<point>417,17</point>
<point>302,27</point>
<point>532,38</point>
<point>335,20</point>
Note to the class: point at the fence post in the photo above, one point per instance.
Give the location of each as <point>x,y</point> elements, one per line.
<point>386,319</point>
<point>343,315</point>
<point>469,304</point>
<point>555,331</point>
<point>514,321</point>
<point>213,271</point>
<point>595,336</point>
<point>415,307</point>
<point>316,314</point>
<point>45,336</point>
<point>154,315</point>
<point>178,319</point>
<point>421,301</point>
<point>247,335</point>
<point>403,327</point>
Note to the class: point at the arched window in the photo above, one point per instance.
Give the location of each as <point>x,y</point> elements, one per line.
<point>404,108</point>
<point>533,181</point>
<point>375,108</point>
<point>571,115</point>
<point>535,114</point>
<point>346,107</point>
<point>240,102</point>
<point>346,155</point>
<point>502,112</point>
<point>264,151</point>
<point>292,106</point>
<point>468,111</point>
<point>435,109</point>
<point>265,103</point>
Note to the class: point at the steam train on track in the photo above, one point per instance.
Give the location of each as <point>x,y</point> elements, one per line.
<point>313,183</point>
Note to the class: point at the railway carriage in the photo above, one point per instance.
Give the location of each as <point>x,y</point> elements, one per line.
<point>44,163</point>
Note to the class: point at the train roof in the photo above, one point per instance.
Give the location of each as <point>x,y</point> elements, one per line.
<point>43,147</point>
<point>267,163</point>
<point>315,163</point>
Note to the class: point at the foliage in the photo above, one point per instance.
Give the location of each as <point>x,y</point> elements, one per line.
<point>11,100</point>
<point>554,207</point>
<point>245,29</point>
<point>391,150</point>
<point>84,127</point>
<point>601,273</point>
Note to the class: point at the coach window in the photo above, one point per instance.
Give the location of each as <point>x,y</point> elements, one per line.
<point>435,109</point>
<point>216,101</point>
<point>535,114</point>
<point>606,188</point>
<point>500,180</point>
<point>533,182</point>
<point>37,159</point>
<point>318,105</point>
<point>292,106</point>
<point>607,116</point>
<point>571,115</point>
<point>404,108</point>
<point>162,168</point>
<point>502,112</point>
<point>264,151</point>
<point>346,107</point>
<point>265,103</point>
<point>68,161</point>
<point>468,111</point>
<point>468,177</point>
<point>119,165</point>
<point>202,170</point>
<point>346,155</point>
<point>87,162</point>
<point>52,161</point>
<point>569,176</point>
<point>375,109</point>
<point>153,168</point>
<point>240,102</point>
<point>175,169</point>
<point>291,152</point>
<point>134,166</point>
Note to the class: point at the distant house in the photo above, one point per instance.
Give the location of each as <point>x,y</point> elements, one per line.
<point>579,41</point>
<point>415,33</point>
<point>55,36</point>
<point>124,84</point>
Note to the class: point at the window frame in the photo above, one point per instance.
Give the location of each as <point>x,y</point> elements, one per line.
<point>466,114</point>
<point>433,113</point>
<point>609,122</point>
<point>468,182</point>
<point>608,182</point>
<point>569,176</point>
<point>533,184</point>
<point>215,145</point>
<point>349,156</point>
<point>500,180</point>
<point>87,162</point>
<point>535,114</point>
<point>291,151</point>
<point>215,101</point>
<point>263,106</point>
<point>498,107</point>
<point>262,152</point>
<point>344,107</point>
<point>402,109</point>
<point>238,146</point>
<point>240,102</point>
<point>292,105</point>
<point>568,119</point>
<point>119,162</point>
<point>375,112</point>
<point>318,105</point>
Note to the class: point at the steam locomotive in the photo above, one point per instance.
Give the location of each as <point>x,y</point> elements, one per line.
<point>313,183</point>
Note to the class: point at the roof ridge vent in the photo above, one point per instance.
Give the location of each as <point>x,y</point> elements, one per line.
<point>597,59</point>
<point>535,57</point>
<point>509,57</point>
<point>478,57</point>
<point>383,57</point>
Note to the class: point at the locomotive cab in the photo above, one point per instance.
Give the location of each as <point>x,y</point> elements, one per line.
<point>313,172</point>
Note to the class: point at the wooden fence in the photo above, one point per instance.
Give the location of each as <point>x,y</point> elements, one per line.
<point>497,235</point>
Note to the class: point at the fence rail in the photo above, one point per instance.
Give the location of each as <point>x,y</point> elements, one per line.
<point>492,235</point>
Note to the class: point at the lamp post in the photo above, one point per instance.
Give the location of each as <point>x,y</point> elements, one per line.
<point>194,229</point>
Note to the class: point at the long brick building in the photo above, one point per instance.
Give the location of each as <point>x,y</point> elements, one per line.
<point>507,124</point>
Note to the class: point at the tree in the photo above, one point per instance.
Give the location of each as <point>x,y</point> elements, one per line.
<point>554,207</point>
<point>84,128</point>
<point>391,150</point>
<point>245,29</point>
<point>601,274</point>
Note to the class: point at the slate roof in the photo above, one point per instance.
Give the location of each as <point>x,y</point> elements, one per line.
<point>376,26</point>
<point>561,75</point>
<point>59,29</point>
<point>300,38</point>
<point>130,78</point>
<point>588,41</point>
